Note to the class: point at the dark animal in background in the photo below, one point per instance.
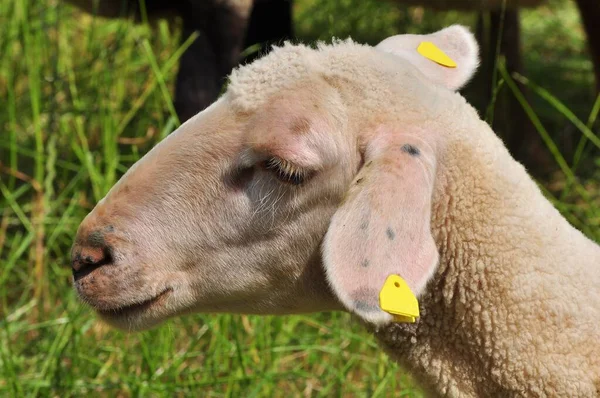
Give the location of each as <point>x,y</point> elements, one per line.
<point>229,26</point>
<point>226,28</point>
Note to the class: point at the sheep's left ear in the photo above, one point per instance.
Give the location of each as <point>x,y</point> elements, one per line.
<point>382,227</point>
<point>448,57</point>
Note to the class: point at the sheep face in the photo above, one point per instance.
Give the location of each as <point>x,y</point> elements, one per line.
<point>232,212</point>
<point>226,214</point>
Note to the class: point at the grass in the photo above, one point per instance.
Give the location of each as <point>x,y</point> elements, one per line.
<point>81,100</point>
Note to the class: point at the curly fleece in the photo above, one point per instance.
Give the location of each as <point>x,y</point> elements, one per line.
<point>513,308</point>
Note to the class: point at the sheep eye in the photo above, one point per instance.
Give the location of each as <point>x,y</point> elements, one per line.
<point>285,171</point>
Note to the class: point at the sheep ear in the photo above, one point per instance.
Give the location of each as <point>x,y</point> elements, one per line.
<point>382,227</point>
<point>448,57</point>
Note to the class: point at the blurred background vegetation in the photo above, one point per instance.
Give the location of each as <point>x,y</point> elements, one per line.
<point>82,98</point>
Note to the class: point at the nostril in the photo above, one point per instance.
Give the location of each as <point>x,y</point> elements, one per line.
<point>87,259</point>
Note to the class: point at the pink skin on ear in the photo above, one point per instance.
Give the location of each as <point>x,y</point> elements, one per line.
<point>383,225</point>
<point>455,41</point>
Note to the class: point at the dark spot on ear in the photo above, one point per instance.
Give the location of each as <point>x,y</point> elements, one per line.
<point>365,263</point>
<point>365,306</point>
<point>410,149</point>
<point>359,180</point>
<point>364,225</point>
<point>109,228</point>
<point>390,233</point>
<point>369,164</point>
<point>365,299</point>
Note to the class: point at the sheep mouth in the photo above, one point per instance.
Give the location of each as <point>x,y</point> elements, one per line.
<point>136,308</point>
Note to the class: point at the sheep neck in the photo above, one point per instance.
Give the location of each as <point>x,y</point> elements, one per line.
<point>498,318</point>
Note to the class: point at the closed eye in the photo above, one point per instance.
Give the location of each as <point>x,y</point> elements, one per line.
<point>285,171</point>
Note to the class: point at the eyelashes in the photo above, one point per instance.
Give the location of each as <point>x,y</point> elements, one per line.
<point>285,171</point>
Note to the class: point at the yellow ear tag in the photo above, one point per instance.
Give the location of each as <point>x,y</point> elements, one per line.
<point>432,52</point>
<point>396,298</point>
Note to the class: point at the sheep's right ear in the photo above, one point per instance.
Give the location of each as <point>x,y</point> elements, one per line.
<point>382,227</point>
<point>448,57</point>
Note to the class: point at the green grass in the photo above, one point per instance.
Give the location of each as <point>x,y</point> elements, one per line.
<point>81,100</point>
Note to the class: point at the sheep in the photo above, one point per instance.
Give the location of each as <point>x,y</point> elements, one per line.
<point>322,171</point>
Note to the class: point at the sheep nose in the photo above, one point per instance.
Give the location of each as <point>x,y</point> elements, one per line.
<point>89,253</point>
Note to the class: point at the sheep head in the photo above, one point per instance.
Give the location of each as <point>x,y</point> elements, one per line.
<point>301,189</point>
